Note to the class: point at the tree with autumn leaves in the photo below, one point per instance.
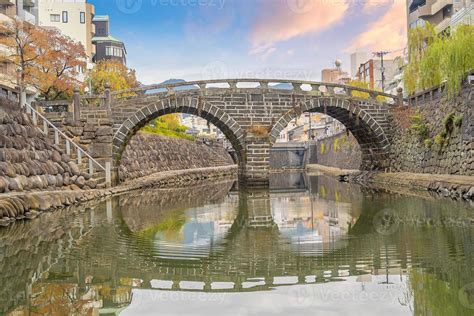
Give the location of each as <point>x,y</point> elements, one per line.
<point>44,58</point>
<point>113,73</point>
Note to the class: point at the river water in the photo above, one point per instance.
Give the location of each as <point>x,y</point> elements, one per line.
<point>307,246</point>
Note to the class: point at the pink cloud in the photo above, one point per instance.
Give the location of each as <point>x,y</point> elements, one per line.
<point>389,32</point>
<point>281,20</point>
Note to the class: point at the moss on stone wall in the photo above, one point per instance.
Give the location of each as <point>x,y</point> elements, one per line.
<point>341,151</point>
<point>447,148</point>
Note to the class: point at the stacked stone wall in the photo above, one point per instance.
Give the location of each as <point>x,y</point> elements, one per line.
<point>146,154</point>
<point>29,161</point>
<point>453,154</point>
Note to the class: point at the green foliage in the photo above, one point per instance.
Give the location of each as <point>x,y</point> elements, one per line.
<point>457,120</point>
<point>344,139</point>
<point>458,57</point>
<point>169,126</point>
<point>448,123</point>
<point>428,143</point>
<point>418,125</point>
<point>433,59</point>
<point>336,144</point>
<point>418,40</point>
<point>434,295</point>
<point>439,139</point>
<point>364,95</point>
<point>172,222</point>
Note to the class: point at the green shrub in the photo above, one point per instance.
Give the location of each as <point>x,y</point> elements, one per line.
<point>433,59</point>
<point>448,123</point>
<point>169,126</point>
<point>457,120</point>
<point>439,139</point>
<point>418,125</point>
<point>428,143</point>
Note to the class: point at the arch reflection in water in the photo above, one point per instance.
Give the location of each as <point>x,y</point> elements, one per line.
<point>295,239</point>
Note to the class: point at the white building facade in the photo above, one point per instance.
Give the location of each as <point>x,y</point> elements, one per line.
<point>72,17</point>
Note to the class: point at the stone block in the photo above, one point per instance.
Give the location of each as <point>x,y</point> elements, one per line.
<point>98,150</point>
<point>104,131</point>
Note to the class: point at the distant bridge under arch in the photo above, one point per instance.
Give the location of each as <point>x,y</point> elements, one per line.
<point>252,117</point>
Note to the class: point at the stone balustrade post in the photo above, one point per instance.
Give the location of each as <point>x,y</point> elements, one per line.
<point>76,104</point>
<point>296,87</point>
<point>108,100</point>
<point>400,96</point>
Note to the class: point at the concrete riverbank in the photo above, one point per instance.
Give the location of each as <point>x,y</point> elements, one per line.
<point>453,186</point>
<point>28,205</point>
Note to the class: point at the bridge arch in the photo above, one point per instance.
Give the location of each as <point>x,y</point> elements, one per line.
<point>252,117</point>
<point>367,130</point>
<point>172,104</point>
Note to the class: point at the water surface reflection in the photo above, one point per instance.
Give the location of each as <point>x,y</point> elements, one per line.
<point>309,245</point>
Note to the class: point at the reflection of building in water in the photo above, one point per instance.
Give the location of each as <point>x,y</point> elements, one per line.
<point>196,232</point>
<point>306,219</point>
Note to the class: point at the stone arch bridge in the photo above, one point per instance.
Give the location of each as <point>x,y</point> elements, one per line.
<point>251,113</point>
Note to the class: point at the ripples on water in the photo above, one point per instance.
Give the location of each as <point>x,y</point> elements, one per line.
<point>309,245</point>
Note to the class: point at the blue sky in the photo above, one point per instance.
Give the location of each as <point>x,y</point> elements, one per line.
<point>209,39</point>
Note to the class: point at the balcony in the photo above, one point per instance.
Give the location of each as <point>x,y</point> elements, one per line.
<point>29,3</point>
<point>432,8</point>
<point>29,17</point>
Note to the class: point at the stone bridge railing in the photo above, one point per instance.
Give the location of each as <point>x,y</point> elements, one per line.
<point>264,85</point>
<point>298,86</point>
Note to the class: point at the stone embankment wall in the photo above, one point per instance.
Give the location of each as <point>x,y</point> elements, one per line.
<point>146,154</point>
<point>340,151</point>
<point>31,204</point>
<point>418,144</point>
<point>29,161</point>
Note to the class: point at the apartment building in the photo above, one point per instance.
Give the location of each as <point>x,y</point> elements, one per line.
<point>107,47</point>
<point>440,13</point>
<point>335,75</point>
<point>27,11</point>
<point>72,17</point>
<point>371,72</point>
<point>310,126</point>
<point>199,127</point>
<point>357,58</point>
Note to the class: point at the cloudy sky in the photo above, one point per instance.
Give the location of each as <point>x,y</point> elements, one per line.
<point>209,39</point>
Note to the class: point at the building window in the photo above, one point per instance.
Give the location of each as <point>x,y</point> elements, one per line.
<point>55,18</point>
<point>65,17</point>
<point>113,51</point>
<point>83,17</point>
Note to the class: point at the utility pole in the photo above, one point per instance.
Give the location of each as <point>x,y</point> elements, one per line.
<point>382,69</point>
